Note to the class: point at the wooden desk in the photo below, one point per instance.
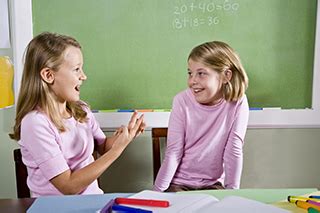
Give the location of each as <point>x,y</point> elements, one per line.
<point>15,205</point>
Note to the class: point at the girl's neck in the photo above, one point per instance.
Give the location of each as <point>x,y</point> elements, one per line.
<point>64,112</point>
<point>217,99</point>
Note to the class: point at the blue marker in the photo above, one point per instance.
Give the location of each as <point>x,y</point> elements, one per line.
<point>315,196</point>
<point>94,110</point>
<point>119,208</point>
<point>255,108</point>
<point>125,110</point>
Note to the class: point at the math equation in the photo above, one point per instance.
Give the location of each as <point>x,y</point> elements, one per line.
<point>197,13</point>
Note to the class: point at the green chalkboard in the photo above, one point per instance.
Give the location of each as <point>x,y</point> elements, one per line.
<point>135,51</point>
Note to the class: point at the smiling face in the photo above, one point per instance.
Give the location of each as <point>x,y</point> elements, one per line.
<point>69,77</point>
<point>205,83</point>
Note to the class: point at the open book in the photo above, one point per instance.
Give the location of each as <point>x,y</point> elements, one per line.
<point>205,203</point>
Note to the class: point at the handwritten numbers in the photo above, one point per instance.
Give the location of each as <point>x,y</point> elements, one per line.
<point>202,13</point>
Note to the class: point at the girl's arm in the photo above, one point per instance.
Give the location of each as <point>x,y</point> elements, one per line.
<point>233,155</point>
<point>174,149</point>
<point>73,182</point>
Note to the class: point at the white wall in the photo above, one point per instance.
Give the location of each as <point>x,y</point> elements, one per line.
<point>273,158</point>
<point>7,174</point>
<point>278,158</point>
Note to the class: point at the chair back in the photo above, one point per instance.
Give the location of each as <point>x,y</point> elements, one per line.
<point>157,134</point>
<point>21,175</point>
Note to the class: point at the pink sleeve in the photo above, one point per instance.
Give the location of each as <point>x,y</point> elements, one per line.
<point>97,133</point>
<point>40,140</point>
<point>233,155</point>
<point>174,149</point>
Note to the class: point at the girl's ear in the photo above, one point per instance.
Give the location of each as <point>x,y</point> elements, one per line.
<point>47,75</point>
<point>228,75</point>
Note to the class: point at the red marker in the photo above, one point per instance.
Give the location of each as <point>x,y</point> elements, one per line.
<point>142,202</point>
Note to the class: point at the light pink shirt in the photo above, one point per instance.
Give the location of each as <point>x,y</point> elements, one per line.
<point>47,153</point>
<point>204,143</point>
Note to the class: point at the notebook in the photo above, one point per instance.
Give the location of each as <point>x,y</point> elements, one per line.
<point>204,203</point>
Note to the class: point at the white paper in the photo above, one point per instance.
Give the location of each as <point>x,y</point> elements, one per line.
<point>231,204</point>
<point>4,25</point>
<point>204,203</point>
<point>178,202</point>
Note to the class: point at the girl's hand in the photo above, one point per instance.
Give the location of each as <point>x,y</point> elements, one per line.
<point>133,121</point>
<point>124,135</point>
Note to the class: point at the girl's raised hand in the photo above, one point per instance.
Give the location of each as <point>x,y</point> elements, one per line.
<point>136,125</point>
<point>124,135</point>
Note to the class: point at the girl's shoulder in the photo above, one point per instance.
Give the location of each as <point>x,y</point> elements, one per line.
<point>36,117</point>
<point>183,95</point>
<point>181,98</point>
<point>84,105</point>
<point>243,100</point>
<point>35,114</point>
<point>240,105</point>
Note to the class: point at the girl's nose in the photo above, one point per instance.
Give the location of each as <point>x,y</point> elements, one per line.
<point>83,76</point>
<point>194,79</point>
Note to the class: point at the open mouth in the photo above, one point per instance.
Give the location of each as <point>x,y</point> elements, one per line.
<point>197,90</point>
<point>77,88</point>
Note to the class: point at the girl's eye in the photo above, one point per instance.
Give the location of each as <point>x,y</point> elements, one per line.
<point>201,73</point>
<point>77,69</point>
<point>189,74</point>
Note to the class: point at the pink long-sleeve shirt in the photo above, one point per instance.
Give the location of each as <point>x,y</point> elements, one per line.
<point>47,152</point>
<point>204,143</point>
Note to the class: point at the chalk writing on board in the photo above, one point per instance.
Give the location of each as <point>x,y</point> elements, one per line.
<point>199,13</point>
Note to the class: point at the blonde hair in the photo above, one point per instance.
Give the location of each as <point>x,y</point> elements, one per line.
<point>44,51</point>
<point>220,57</point>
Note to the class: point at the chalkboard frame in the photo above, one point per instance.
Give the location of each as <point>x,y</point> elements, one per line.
<point>22,33</point>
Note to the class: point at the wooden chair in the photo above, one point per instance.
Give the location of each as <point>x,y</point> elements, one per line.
<point>157,134</point>
<point>21,175</point>
<point>23,190</point>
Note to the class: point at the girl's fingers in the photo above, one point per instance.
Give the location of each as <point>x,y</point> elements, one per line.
<point>133,120</point>
<point>138,124</point>
<point>137,134</point>
<point>123,130</point>
<point>116,132</point>
<point>141,129</point>
<point>143,126</point>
